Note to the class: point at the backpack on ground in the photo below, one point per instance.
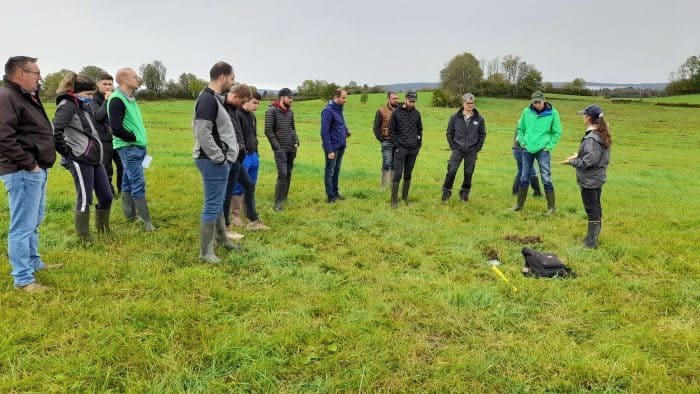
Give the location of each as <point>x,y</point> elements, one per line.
<point>544,265</point>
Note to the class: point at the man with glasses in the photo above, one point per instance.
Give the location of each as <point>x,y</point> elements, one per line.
<point>282,134</point>
<point>539,130</point>
<point>27,151</point>
<point>381,132</point>
<point>466,133</point>
<point>406,130</point>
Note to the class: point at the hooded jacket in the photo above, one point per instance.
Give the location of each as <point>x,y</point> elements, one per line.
<point>26,134</point>
<point>466,136</point>
<point>539,130</point>
<point>592,161</point>
<point>280,129</point>
<point>75,135</point>
<point>406,128</point>
<point>98,108</point>
<point>333,129</point>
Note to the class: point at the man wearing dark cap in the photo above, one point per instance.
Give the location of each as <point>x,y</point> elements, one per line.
<point>281,132</point>
<point>406,130</point>
<point>466,132</point>
<point>539,130</point>
<point>27,151</point>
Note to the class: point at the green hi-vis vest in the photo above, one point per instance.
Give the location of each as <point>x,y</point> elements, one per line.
<point>133,121</point>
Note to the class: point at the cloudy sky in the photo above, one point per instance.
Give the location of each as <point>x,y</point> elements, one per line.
<point>274,44</point>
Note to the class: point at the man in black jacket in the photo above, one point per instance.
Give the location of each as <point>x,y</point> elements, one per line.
<point>406,130</point>
<point>98,107</point>
<point>27,151</point>
<point>282,134</point>
<point>466,132</point>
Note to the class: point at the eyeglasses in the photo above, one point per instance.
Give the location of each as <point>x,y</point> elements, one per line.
<point>38,73</point>
<point>472,103</point>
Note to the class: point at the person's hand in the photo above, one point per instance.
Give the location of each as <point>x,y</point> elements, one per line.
<point>36,168</point>
<point>568,159</point>
<point>331,155</point>
<point>348,133</point>
<point>107,94</point>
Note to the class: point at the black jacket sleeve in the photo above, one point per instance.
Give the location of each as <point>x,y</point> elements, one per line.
<point>451,133</point>
<point>378,126</point>
<point>393,130</point>
<point>64,114</point>
<point>117,110</point>
<point>482,134</point>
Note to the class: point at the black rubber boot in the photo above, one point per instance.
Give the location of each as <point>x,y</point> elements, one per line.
<point>404,191</point>
<point>551,203</point>
<point>522,196</point>
<point>591,240</point>
<point>128,206</point>
<point>102,220</point>
<point>279,196</point>
<point>206,242</point>
<point>394,195</point>
<point>446,194</point>
<point>516,185</point>
<point>535,183</point>
<point>82,226</point>
<point>143,212</point>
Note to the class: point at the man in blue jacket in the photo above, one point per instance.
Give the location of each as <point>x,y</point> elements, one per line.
<point>334,133</point>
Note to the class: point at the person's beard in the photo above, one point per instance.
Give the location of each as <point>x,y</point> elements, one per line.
<point>286,104</point>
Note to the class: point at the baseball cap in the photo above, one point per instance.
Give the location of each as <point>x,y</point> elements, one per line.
<point>537,96</point>
<point>285,92</point>
<point>411,96</point>
<point>592,110</point>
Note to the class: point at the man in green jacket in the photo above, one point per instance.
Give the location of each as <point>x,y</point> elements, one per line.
<point>130,141</point>
<point>539,130</point>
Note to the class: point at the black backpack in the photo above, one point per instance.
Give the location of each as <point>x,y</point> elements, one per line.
<point>544,265</point>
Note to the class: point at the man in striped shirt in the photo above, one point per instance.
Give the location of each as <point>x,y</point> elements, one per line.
<point>281,132</point>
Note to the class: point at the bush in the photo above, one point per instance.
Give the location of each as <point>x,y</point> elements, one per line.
<point>445,99</point>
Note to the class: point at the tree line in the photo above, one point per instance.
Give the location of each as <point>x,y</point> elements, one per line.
<point>686,80</point>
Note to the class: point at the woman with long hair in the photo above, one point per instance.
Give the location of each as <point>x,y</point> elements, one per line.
<point>591,163</point>
<point>79,145</point>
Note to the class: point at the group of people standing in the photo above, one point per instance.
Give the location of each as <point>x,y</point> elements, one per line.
<point>96,124</point>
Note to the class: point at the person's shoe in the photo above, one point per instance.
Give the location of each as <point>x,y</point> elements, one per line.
<point>464,197</point>
<point>52,267</point>
<point>82,226</point>
<point>278,206</point>
<point>128,207</point>
<point>331,200</point>
<point>591,240</point>
<point>339,196</point>
<point>404,191</point>
<point>102,220</point>
<point>522,196</point>
<point>143,212</point>
<point>257,225</point>
<point>535,183</point>
<point>33,287</point>
<point>206,242</point>
<point>551,201</point>
<point>230,234</point>
<point>220,235</point>
<point>446,194</point>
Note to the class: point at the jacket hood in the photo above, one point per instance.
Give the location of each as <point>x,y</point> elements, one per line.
<point>593,134</point>
<point>545,112</point>
<point>279,105</point>
<point>70,96</point>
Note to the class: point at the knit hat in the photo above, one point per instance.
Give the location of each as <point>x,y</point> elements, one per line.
<point>84,86</point>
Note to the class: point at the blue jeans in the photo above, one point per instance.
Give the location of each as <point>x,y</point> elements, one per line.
<point>544,161</point>
<point>251,164</point>
<point>133,181</point>
<point>26,192</point>
<point>387,155</point>
<point>518,156</point>
<point>333,172</point>
<point>214,179</point>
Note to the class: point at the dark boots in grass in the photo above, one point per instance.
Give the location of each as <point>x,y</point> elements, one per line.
<point>143,212</point>
<point>128,206</point>
<point>551,206</point>
<point>220,234</point>
<point>534,183</point>
<point>102,220</point>
<point>394,195</point>
<point>82,226</point>
<point>522,196</point>
<point>404,191</point>
<point>591,240</point>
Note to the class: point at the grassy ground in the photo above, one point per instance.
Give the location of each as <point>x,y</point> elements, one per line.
<point>683,99</point>
<point>358,297</point>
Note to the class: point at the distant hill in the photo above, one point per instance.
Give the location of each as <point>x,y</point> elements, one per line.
<point>603,85</point>
<point>402,87</point>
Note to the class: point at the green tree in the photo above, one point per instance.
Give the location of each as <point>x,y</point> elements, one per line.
<point>462,74</point>
<point>51,81</point>
<point>364,97</point>
<point>93,72</point>
<point>153,75</point>
<point>195,86</point>
<point>529,81</point>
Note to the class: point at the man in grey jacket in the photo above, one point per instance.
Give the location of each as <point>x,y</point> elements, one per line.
<point>215,150</point>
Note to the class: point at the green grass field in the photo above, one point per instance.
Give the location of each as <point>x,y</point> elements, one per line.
<point>683,99</point>
<point>359,297</point>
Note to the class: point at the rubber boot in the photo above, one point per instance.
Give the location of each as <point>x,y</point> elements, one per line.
<point>279,197</point>
<point>591,240</point>
<point>394,194</point>
<point>102,220</point>
<point>404,191</point>
<point>383,179</point>
<point>446,194</point>
<point>551,206</point>
<point>535,183</point>
<point>236,209</point>
<point>516,185</point>
<point>220,235</point>
<point>206,242</point>
<point>128,206</point>
<point>82,226</point>
<point>522,196</point>
<point>144,213</point>
<point>464,196</point>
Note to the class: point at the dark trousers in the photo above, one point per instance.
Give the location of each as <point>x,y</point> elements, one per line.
<point>109,155</point>
<point>332,173</point>
<point>88,179</point>
<point>404,160</point>
<point>591,203</point>
<point>285,163</point>
<point>469,157</point>
<point>387,155</point>
<point>235,175</point>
